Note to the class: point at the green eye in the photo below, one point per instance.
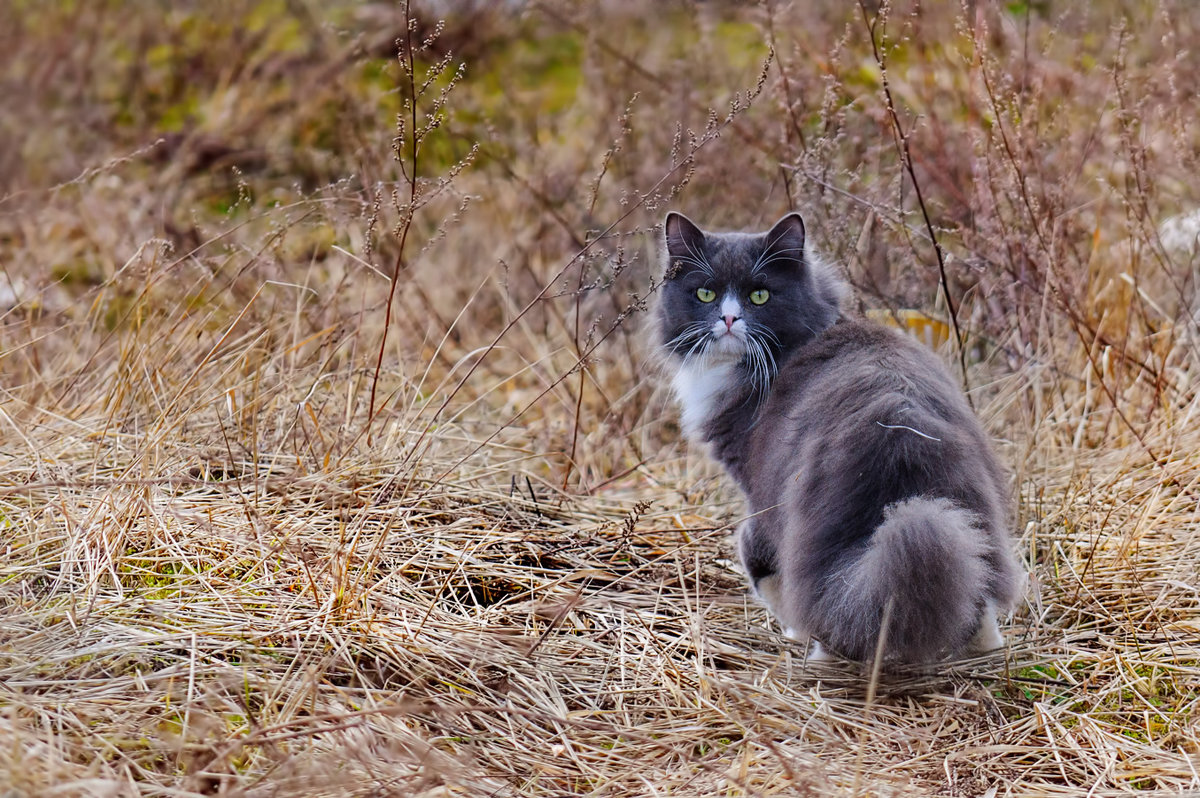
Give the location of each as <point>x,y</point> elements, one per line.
<point>705,294</point>
<point>760,296</point>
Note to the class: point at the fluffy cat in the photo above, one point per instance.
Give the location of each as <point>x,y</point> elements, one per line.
<point>872,489</point>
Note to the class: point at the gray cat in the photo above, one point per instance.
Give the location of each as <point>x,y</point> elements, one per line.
<point>873,492</point>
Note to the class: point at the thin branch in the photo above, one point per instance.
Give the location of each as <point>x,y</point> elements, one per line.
<point>906,161</point>
<point>406,216</point>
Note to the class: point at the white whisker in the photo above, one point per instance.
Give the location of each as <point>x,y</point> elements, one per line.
<point>780,254</point>
<point>910,429</point>
<point>698,260</point>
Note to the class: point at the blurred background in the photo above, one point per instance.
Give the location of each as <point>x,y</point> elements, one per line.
<point>255,160</point>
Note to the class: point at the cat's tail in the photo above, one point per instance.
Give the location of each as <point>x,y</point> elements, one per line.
<point>926,573</point>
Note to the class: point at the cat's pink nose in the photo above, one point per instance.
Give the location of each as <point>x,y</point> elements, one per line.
<point>729,320</point>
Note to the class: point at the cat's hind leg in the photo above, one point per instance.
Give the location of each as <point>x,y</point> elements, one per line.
<point>769,591</point>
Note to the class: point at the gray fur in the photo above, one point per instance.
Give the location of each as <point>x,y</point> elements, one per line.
<point>872,487</point>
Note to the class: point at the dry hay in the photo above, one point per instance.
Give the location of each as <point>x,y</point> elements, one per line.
<point>186,620</point>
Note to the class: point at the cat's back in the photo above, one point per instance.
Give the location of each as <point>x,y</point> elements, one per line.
<point>857,364</point>
<point>863,399</point>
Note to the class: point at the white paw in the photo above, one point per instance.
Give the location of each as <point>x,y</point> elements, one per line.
<point>988,637</point>
<point>817,653</point>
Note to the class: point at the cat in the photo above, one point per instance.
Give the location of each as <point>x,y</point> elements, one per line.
<point>876,505</point>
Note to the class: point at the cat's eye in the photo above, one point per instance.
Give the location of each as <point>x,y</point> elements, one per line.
<point>706,294</point>
<point>760,296</point>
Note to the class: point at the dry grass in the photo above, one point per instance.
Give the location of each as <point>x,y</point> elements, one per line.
<point>255,546</point>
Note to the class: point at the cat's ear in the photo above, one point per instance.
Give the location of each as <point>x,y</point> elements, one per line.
<point>684,239</point>
<point>785,241</point>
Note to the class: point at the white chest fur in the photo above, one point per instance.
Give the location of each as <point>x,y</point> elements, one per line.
<point>700,384</point>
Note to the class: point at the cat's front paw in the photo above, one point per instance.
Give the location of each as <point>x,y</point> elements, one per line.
<point>816,651</point>
<point>988,637</point>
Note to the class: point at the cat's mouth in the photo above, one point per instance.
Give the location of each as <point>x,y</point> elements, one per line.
<point>727,340</point>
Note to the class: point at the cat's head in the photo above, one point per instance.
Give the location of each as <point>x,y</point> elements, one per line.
<point>743,297</point>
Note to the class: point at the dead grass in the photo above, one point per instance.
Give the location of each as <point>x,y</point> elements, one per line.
<point>241,558</point>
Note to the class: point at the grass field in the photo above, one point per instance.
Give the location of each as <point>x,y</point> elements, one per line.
<point>335,457</point>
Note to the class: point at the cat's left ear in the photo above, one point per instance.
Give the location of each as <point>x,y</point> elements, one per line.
<point>785,241</point>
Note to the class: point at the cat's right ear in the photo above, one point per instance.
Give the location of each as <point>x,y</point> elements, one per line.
<point>786,238</point>
<point>685,241</point>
